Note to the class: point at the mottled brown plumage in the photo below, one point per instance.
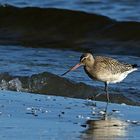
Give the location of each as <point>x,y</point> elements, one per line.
<point>105,69</point>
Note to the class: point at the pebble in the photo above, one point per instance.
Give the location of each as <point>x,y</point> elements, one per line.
<point>84,125</point>
<point>134,122</point>
<point>29,108</point>
<point>128,121</point>
<point>48,97</point>
<point>116,111</point>
<point>93,112</point>
<point>123,104</point>
<point>93,108</point>
<point>102,112</point>
<point>80,116</point>
<point>88,118</point>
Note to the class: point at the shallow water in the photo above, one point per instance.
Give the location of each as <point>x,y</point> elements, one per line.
<point>20,61</point>
<point>121,9</point>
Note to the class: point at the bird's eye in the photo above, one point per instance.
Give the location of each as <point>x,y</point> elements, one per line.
<point>83,59</point>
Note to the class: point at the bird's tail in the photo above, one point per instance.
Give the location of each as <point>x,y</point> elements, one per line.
<point>134,66</point>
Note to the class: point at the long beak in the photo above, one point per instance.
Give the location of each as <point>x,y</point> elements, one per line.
<point>73,68</point>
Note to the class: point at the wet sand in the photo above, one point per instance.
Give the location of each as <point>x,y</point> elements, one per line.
<point>34,116</point>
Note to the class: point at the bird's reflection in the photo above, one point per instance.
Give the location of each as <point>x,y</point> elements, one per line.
<point>106,128</point>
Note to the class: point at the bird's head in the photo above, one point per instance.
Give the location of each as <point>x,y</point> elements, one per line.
<point>85,59</point>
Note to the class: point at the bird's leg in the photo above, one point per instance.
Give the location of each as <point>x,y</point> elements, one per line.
<point>106,90</point>
<point>105,115</point>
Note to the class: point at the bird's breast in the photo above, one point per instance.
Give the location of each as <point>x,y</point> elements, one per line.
<point>104,75</point>
<point>91,73</point>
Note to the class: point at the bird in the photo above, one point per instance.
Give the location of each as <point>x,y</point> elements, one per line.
<point>104,69</point>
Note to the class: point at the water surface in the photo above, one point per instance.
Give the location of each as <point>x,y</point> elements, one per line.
<point>25,62</point>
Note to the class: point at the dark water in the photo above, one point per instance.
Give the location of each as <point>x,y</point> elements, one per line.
<point>74,30</point>
<point>127,10</point>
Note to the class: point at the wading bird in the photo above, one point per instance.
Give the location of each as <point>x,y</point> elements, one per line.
<point>104,69</point>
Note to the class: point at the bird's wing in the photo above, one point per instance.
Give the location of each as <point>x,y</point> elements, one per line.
<point>113,65</point>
